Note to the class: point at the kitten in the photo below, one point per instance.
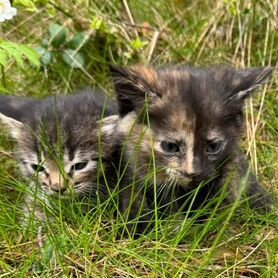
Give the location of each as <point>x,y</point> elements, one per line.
<point>180,128</point>
<point>58,145</point>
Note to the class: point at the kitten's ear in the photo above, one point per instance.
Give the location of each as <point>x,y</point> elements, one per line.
<point>18,108</point>
<point>246,81</point>
<point>107,131</point>
<point>14,127</point>
<point>133,86</point>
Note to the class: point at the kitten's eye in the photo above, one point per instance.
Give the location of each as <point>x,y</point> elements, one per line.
<point>169,147</point>
<point>37,168</point>
<point>214,147</point>
<point>79,166</point>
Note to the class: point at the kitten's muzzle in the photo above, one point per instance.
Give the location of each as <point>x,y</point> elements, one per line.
<point>58,188</point>
<point>186,178</point>
<point>184,175</point>
<point>192,175</point>
<point>194,172</point>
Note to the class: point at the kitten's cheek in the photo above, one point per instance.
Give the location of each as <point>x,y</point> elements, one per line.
<point>209,173</point>
<point>161,177</point>
<point>25,170</point>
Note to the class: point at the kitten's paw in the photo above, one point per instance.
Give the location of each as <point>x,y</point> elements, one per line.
<point>40,237</point>
<point>263,204</point>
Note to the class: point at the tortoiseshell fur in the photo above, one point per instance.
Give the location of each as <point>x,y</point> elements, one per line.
<point>172,120</point>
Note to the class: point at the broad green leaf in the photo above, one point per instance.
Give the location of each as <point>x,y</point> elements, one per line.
<point>78,40</point>
<point>45,43</point>
<point>58,34</point>
<point>40,50</point>
<point>46,58</point>
<point>73,59</point>
<point>45,55</point>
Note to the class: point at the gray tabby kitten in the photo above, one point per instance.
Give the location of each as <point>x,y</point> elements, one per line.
<point>179,127</point>
<point>59,145</point>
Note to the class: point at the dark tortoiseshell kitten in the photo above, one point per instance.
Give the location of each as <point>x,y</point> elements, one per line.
<point>184,124</point>
<point>59,143</point>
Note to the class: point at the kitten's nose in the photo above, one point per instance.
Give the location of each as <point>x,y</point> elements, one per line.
<point>58,188</point>
<point>193,174</point>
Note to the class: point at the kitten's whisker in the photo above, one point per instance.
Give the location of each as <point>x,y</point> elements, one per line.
<point>163,186</point>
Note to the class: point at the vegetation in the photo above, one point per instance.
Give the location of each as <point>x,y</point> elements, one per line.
<point>76,41</point>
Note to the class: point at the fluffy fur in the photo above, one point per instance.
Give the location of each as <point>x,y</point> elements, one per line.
<point>60,141</point>
<point>180,126</point>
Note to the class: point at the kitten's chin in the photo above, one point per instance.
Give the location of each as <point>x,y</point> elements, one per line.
<point>184,182</point>
<point>59,196</point>
<point>64,196</point>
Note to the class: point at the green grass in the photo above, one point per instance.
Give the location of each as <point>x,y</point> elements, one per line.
<point>229,244</point>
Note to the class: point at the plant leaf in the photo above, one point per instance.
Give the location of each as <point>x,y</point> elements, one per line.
<point>45,55</point>
<point>137,44</point>
<point>27,4</point>
<point>45,43</point>
<point>30,54</point>
<point>4,90</point>
<point>58,35</point>
<point>18,52</point>
<point>73,59</point>
<point>46,58</point>
<point>3,58</point>
<point>78,40</point>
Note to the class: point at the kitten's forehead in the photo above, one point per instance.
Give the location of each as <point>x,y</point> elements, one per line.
<point>191,86</point>
<point>189,99</point>
<point>172,78</point>
<point>181,120</point>
<point>80,155</point>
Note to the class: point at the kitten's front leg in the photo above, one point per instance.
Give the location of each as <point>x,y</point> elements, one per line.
<point>243,182</point>
<point>33,211</point>
<point>32,208</point>
<point>34,202</point>
<point>134,208</point>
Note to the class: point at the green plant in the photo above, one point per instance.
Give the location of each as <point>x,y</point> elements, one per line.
<point>17,53</point>
<point>60,45</point>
